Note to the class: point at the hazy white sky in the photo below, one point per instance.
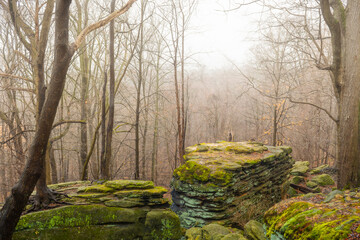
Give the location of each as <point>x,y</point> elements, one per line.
<point>215,35</point>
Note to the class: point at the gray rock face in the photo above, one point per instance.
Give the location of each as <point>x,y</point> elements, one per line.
<point>229,182</point>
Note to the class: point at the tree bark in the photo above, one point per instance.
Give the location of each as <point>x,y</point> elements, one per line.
<point>348,162</point>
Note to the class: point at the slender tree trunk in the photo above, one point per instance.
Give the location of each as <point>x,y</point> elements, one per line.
<point>156,121</point>
<point>138,94</point>
<point>103,131</point>
<point>274,135</point>
<point>110,125</point>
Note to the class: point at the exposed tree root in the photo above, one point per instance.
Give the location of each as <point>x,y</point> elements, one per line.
<point>47,199</point>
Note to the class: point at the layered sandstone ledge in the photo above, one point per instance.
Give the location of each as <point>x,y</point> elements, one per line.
<point>120,209</point>
<point>229,182</point>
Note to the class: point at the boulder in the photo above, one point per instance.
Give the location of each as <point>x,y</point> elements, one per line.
<point>255,230</point>
<point>197,233</point>
<point>297,179</point>
<point>319,169</point>
<point>323,180</point>
<point>234,236</point>
<point>214,232</point>
<point>229,182</point>
<point>311,184</point>
<point>120,209</point>
<point>300,168</point>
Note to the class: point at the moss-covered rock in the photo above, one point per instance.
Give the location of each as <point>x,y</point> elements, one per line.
<point>300,168</point>
<point>318,169</point>
<point>311,184</point>
<point>297,179</point>
<point>163,224</point>
<point>234,236</point>
<point>129,184</point>
<point>137,211</point>
<point>197,233</point>
<point>78,216</point>
<point>98,188</point>
<point>255,230</point>
<point>156,192</point>
<point>230,181</point>
<point>323,180</point>
<point>310,217</point>
<point>192,171</point>
<point>216,231</point>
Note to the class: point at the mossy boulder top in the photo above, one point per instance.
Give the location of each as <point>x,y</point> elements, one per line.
<point>215,161</point>
<point>111,210</point>
<point>316,216</point>
<point>116,193</point>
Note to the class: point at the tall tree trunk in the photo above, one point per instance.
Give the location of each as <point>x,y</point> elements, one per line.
<point>348,162</point>
<point>156,121</point>
<point>84,71</point>
<point>138,93</point>
<point>103,174</point>
<point>110,125</point>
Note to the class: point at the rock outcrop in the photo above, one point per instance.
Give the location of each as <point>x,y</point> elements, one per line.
<point>316,216</point>
<point>229,182</point>
<point>121,209</point>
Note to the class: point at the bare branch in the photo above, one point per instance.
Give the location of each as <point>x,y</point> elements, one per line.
<point>318,107</point>
<point>80,38</point>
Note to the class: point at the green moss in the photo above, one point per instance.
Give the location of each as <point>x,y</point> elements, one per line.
<point>323,180</point>
<point>297,179</point>
<point>299,221</point>
<point>96,189</point>
<point>202,148</point>
<point>221,177</point>
<point>191,171</point>
<point>238,149</point>
<point>77,216</point>
<point>105,232</point>
<point>143,193</point>
<point>163,225</point>
<point>275,219</point>
<point>129,184</point>
<point>68,184</point>
<point>311,184</point>
<point>90,195</point>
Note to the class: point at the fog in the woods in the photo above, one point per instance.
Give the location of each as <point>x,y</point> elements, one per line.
<point>185,72</point>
